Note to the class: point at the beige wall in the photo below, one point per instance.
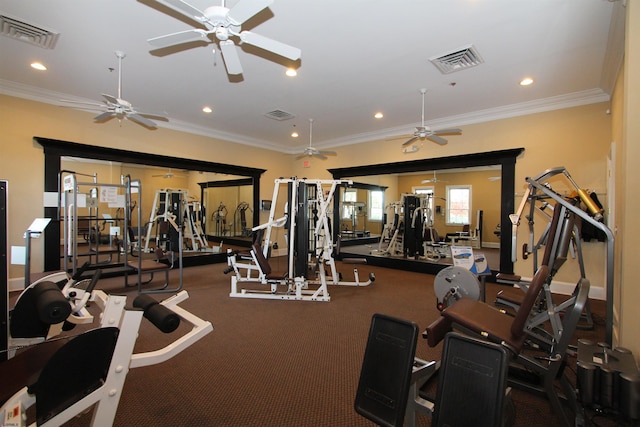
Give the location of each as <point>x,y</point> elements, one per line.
<point>23,159</point>
<point>577,138</point>
<point>627,227</point>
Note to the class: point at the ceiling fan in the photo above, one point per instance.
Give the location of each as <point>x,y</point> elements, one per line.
<point>222,25</point>
<point>432,180</point>
<point>423,131</point>
<point>118,107</point>
<point>167,175</point>
<point>314,152</point>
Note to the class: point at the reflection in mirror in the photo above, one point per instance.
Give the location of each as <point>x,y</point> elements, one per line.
<point>421,205</point>
<point>229,209</point>
<point>158,175</point>
<point>201,194</point>
<point>466,202</point>
<point>361,211</point>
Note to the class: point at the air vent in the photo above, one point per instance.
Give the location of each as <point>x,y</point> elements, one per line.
<point>458,60</point>
<point>29,33</point>
<point>279,115</point>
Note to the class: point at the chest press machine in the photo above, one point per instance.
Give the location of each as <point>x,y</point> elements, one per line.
<point>391,398</point>
<point>310,247</point>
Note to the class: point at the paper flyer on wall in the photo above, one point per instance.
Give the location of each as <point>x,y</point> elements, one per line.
<point>464,257</point>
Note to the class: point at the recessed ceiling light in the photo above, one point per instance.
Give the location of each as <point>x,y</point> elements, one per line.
<point>291,72</point>
<point>38,66</point>
<point>526,81</point>
<point>378,115</point>
<point>207,110</point>
<point>294,134</point>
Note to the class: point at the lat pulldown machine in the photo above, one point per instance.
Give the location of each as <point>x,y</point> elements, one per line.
<point>310,247</point>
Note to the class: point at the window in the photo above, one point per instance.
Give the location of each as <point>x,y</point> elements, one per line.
<point>458,204</point>
<point>349,199</point>
<point>376,205</point>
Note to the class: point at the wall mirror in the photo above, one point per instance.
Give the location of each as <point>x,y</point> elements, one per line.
<point>205,184</point>
<point>490,175</point>
<point>362,208</point>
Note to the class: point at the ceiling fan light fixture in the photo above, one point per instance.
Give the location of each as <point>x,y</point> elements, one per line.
<point>38,66</point>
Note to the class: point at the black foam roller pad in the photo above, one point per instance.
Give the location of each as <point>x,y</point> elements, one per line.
<point>144,301</point>
<point>51,305</point>
<point>163,318</point>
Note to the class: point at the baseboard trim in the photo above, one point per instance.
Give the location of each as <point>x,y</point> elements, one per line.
<point>16,284</point>
<point>566,288</point>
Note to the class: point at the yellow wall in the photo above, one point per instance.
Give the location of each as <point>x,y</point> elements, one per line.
<point>22,160</point>
<point>627,227</point>
<point>577,138</point>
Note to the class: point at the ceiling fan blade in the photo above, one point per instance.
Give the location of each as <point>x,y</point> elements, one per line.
<point>320,156</point>
<point>284,50</point>
<point>327,153</point>
<point>179,38</point>
<point>111,99</point>
<point>104,116</point>
<point>88,104</point>
<point>230,56</point>
<point>409,141</point>
<point>437,139</point>
<point>141,120</point>
<point>153,116</point>
<point>245,9</point>
<point>184,8</point>
<point>447,131</point>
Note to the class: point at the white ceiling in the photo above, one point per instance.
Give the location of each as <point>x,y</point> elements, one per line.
<point>358,57</point>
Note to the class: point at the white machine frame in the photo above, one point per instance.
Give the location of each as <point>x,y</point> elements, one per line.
<point>247,268</point>
<point>106,398</point>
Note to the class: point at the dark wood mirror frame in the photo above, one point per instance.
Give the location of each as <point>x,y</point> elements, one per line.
<point>505,158</point>
<point>54,150</point>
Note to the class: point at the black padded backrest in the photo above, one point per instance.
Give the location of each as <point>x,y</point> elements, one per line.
<point>75,370</point>
<point>387,366</point>
<point>262,261</point>
<point>520,320</point>
<point>435,237</point>
<point>471,383</point>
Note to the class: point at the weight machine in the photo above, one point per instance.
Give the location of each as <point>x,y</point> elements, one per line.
<point>310,246</point>
<point>538,196</point>
<point>71,199</point>
<point>219,217</point>
<point>240,219</point>
<point>186,215</point>
<point>64,388</point>
<point>391,219</point>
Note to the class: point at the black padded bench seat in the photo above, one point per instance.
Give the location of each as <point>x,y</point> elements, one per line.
<point>25,367</point>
